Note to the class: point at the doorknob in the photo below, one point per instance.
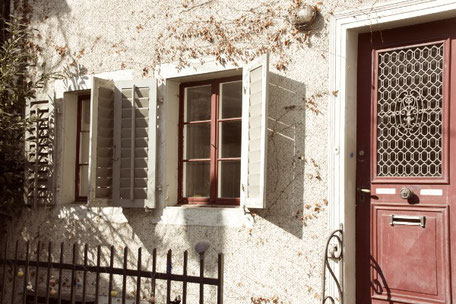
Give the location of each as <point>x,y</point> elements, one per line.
<point>406,193</point>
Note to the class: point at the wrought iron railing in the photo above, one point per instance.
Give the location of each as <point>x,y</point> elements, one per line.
<point>333,251</point>
<point>20,278</point>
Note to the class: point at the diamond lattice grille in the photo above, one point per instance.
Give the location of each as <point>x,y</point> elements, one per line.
<point>409,112</point>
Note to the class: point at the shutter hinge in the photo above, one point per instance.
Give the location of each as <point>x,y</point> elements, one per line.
<point>160,99</point>
<point>159,188</point>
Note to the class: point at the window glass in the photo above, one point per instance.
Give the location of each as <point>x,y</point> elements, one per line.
<point>197,103</point>
<point>211,159</point>
<point>230,139</point>
<point>83,146</point>
<point>230,99</point>
<point>229,178</point>
<point>196,179</point>
<point>197,139</point>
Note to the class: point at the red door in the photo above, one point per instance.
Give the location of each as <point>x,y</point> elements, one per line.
<point>406,196</point>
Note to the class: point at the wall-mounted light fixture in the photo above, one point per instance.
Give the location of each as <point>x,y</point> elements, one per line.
<point>305,17</point>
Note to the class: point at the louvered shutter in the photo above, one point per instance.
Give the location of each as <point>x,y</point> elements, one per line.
<point>39,141</point>
<point>135,142</point>
<point>254,133</point>
<point>101,141</point>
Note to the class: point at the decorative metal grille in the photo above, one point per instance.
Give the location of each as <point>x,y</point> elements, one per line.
<point>409,112</point>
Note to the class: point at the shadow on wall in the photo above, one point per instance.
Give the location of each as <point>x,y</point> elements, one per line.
<point>285,158</point>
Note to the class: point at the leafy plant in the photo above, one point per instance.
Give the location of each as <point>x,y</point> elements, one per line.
<point>17,85</point>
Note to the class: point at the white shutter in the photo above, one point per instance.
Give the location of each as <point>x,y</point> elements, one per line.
<point>101,141</point>
<point>254,132</point>
<point>135,144</point>
<point>39,140</point>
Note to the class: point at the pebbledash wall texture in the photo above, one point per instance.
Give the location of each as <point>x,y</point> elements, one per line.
<point>272,255</point>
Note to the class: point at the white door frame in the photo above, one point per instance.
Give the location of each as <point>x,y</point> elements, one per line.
<point>344,31</point>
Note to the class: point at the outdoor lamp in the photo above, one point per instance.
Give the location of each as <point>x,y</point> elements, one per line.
<point>305,17</point>
<point>202,246</point>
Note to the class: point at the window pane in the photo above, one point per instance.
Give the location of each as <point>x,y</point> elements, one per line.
<point>230,139</point>
<point>231,99</point>
<point>197,138</point>
<point>197,103</point>
<point>83,180</point>
<point>84,147</point>
<point>85,115</point>
<point>229,178</point>
<point>196,179</point>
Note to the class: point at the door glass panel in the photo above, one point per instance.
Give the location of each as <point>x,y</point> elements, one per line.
<point>409,111</point>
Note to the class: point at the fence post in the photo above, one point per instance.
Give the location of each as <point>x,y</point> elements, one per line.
<point>37,269</point>
<point>184,285</point>
<point>4,271</point>
<point>84,275</point>
<point>111,266</point>
<point>124,275</point>
<point>168,272</point>
<point>220,279</point>
<point>26,274</point>
<point>48,276</point>
<point>59,292</point>
<point>154,270</point>
<point>201,289</point>
<point>138,278</point>
<point>97,276</point>
<point>73,273</point>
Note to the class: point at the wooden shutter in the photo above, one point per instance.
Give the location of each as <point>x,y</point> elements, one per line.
<point>135,142</point>
<point>101,141</point>
<point>254,132</point>
<point>39,141</point>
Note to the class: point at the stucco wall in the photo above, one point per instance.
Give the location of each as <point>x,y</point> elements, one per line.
<point>275,252</point>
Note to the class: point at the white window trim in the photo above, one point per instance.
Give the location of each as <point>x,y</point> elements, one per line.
<point>344,29</point>
<point>232,216</point>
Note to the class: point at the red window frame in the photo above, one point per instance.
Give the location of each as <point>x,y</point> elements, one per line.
<point>214,144</point>
<point>79,198</point>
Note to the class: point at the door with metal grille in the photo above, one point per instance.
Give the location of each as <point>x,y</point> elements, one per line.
<point>405,137</point>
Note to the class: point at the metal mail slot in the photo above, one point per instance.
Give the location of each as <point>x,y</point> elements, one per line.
<point>408,220</point>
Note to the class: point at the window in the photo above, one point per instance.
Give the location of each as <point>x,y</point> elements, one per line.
<point>210,141</point>
<point>139,142</point>
<point>82,148</point>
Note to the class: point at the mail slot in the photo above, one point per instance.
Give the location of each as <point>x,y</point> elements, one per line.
<point>408,220</point>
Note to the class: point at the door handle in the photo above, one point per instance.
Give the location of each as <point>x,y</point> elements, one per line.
<point>408,220</point>
<point>364,190</point>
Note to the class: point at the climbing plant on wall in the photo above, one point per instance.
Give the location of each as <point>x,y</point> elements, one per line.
<point>17,85</point>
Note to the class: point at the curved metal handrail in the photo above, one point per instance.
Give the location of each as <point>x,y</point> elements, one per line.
<point>334,253</point>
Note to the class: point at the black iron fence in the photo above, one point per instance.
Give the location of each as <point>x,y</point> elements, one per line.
<point>16,287</point>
